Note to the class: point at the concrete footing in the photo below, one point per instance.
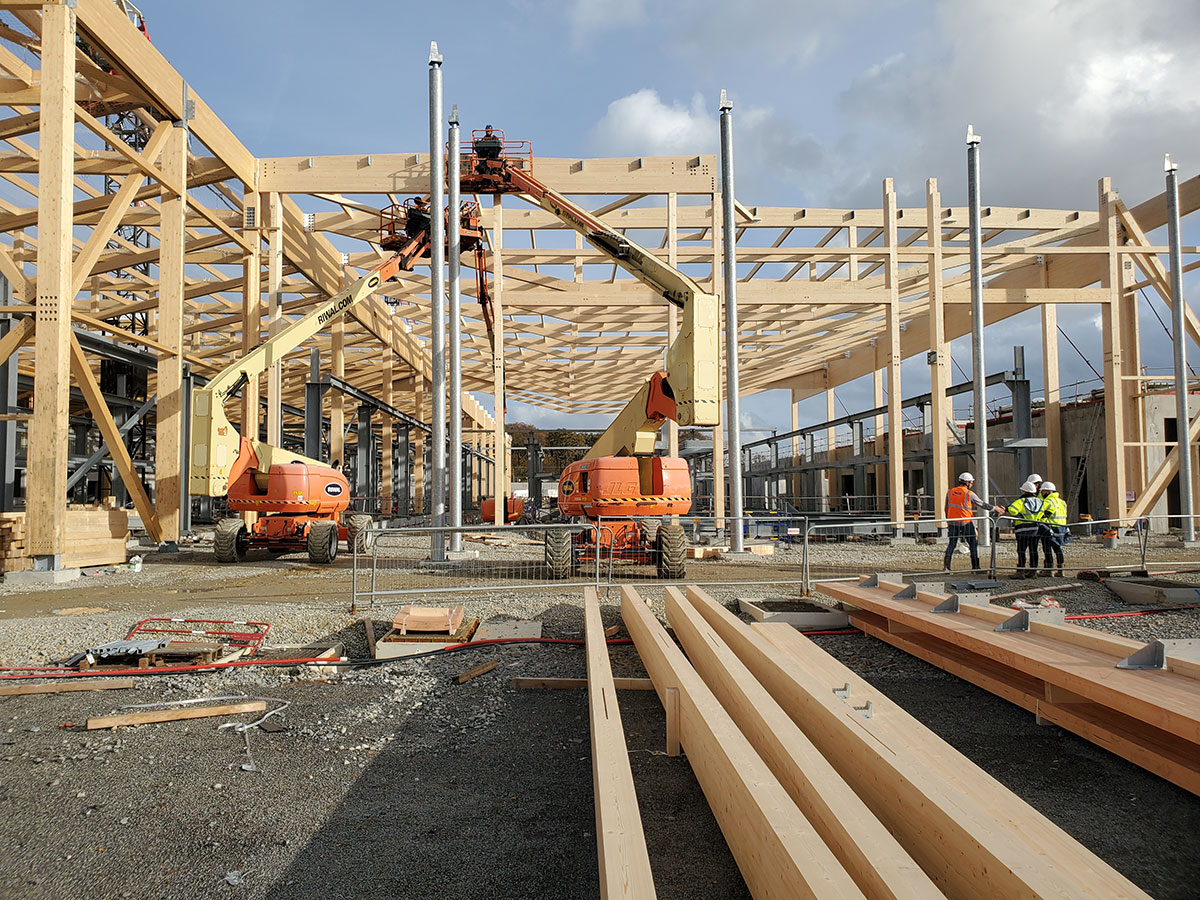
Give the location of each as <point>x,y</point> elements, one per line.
<point>51,576</point>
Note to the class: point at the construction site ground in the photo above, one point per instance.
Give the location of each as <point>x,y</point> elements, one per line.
<point>394,780</point>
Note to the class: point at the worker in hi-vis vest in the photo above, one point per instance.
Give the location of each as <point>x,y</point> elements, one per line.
<point>961,503</point>
<point>1054,527</point>
<point>1026,515</point>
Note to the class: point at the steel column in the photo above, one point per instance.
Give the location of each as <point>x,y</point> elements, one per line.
<point>437,272</point>
<point>312,407</point>
<point>977,360</point>
<point>733,413</point>
<point>1179,336</point>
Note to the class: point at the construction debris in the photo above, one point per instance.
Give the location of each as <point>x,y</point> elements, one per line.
<point>475,671</point>
<point>171,715</point>
<point>65,685</point>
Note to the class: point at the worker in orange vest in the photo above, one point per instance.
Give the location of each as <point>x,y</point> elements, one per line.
<point>961,503</point>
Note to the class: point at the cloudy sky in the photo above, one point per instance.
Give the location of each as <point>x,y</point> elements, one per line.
<point>830,98</point>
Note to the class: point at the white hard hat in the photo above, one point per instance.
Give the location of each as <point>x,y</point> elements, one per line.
<point>1035,478</point>
<point>1029,487</point>
<point>966,476</point>
<point>1048,486</point>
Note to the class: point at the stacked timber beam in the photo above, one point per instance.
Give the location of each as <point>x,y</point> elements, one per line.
<point>1067,675</point>
<point>824,788</point>
<point>94,537</point>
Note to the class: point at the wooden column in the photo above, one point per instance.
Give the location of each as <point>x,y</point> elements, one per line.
<point>46,467</point>
<point>501,457</point>
<point>168,427</point>
<point>718,442</point>
<point>251,319</point>
<point>1110,317</point>
<point>877,394</point>
<point>795,480</point>
<point>387,484</point>
<point>939,362</point>
<point>672,320</point>
<point>895,357</point>
<point>1131,386</point>
<point>1055,470</point>
<point>274,222</point>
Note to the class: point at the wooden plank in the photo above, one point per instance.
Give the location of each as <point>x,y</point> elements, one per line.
<point>172,715</point>
<point>971,849</point>
<point>21,332</point>
<point>778,851</point>
<point>1078,659</point>
<point>621,684</point>
<point>869,853</point>
<point>65,685</point>
<point>620,841</point>
<point>475,671</point>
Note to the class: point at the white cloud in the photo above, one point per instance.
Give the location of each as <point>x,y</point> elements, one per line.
<point>641,124</point>
<point>588,19</point>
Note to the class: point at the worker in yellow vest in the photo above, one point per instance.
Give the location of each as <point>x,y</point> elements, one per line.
<point>1054,527</point>
<point>1026,513</point>
<point>961,503</point>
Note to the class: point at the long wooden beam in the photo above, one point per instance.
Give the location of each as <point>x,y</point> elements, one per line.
<point>870,854</point>
<point>982,844</point>
<point>778,851</point>
<point>620,841</point>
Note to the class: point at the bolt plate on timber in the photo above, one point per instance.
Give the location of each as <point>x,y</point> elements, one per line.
<point>955,602</point>
<point>1156,653</point>
<point>909,591</point>
<point>872,581</point>
<point>843,691</point>
<point>1024,617</point>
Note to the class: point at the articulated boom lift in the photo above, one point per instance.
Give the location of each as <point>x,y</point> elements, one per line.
<point>620,476</point>
<point>300,500</point>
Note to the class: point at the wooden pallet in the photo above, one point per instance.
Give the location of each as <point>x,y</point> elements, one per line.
<point>95,537</point>
<point>1064,674</point>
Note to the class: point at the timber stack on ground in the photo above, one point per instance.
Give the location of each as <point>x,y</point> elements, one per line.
<point>95,537</point>
<point>822,786</point>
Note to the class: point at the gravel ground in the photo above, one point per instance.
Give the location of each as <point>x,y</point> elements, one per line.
<point>396,781</point>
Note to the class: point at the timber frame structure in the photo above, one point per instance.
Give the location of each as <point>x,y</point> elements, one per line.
<point>825,295</point>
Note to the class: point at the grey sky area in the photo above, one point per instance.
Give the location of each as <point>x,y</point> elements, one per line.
<point>830,99</point>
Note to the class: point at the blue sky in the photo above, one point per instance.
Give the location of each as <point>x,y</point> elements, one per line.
<point>830,98</point>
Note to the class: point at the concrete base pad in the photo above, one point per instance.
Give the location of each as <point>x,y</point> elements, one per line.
<point>902,542</point>
<point>458,555</point>
<point>53,576</point>
<point>1185,545</point>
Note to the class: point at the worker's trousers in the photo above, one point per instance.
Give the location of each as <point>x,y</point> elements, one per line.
<point>964,532</point>
<point>1049,544</point>
<point>1027,543</point>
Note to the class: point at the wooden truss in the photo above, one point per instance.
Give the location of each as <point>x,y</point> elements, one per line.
<point>240,245</point>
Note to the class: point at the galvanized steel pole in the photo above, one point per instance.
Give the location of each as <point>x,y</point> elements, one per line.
<point>437,272</point>
<point>978,375</point>
<point>455,252</point>
<point>1179,334</point>
<point>733,413</point>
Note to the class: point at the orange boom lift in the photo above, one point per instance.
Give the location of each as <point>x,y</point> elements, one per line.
<point>620,477</point>
<point>301,501</point>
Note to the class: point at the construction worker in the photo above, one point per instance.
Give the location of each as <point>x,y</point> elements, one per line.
<point>1026,513</point>
<point>1036,480</point>
<point>489,146</point>
<point>961,503</point>
<point>1054,527</point>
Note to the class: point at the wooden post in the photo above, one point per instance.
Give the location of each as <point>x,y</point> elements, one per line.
<point>939,362</point>
<point>895,357</point>
<point>274,316</point>
<point>1131,387</point>
<point>881,446</point>
<point>1052,397</point>
<point>1110,316</point>
<point>337,401</point>
<point>795,479</point>
<point>828,476</point>
<point>168,427</point>
<point>718,442</point>
<point>46,472</point>
<point>418,442</point>
<point>500,455</point>
<point>251,324</point>
<point>718,439</point>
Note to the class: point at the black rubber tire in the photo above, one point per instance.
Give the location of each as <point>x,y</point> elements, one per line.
<point>231,541</point>
<point>650,532</point>
<point>671,543</point>
<point>358,532</point>
<point>559,553</point>
<point>322,542</point>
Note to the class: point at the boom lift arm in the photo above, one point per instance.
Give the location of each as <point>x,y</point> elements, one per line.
<point>219,454</point>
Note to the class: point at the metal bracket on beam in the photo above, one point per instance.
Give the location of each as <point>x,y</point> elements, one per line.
<point>910,591</point>
<point>1156,654</point>
<point>955,602</point>
<point>1025,617</point>
<point>872,581</point>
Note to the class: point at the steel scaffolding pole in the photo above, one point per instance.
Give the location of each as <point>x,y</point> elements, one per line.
<point>733,413</point>
<point>977,360</point>
<point>455,253</point>
<point>1179,336</point>
<point>437,273</point>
